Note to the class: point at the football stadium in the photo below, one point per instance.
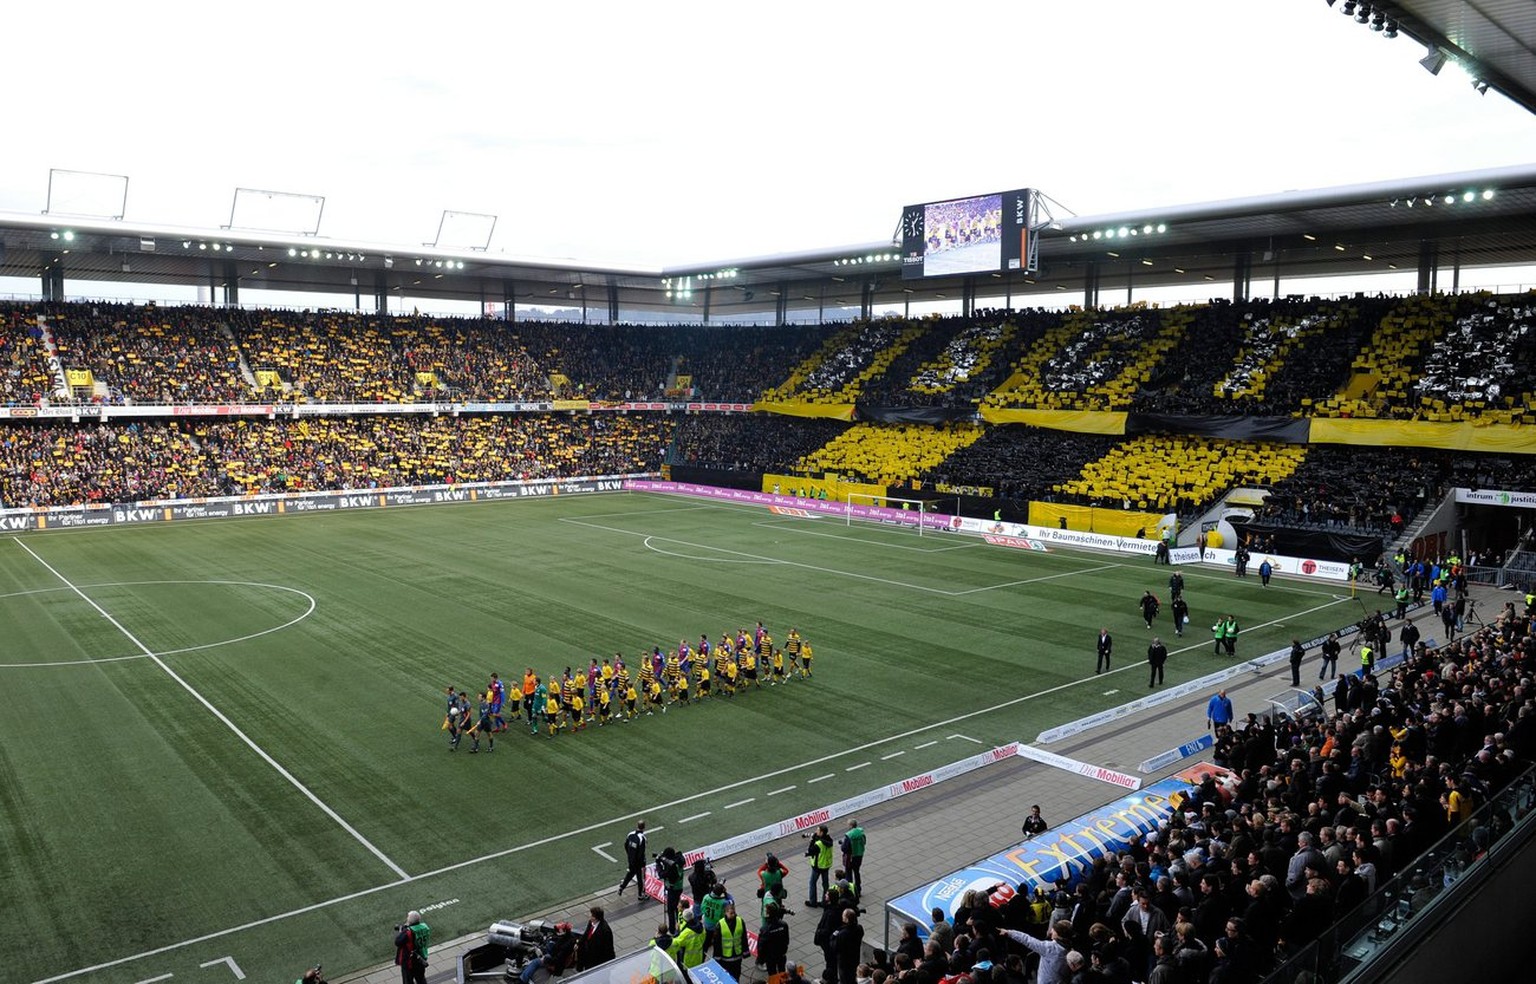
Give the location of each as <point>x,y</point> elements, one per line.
<point>1147,611</point>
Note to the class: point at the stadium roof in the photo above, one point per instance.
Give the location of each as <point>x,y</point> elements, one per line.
<point>1477,218</point>
<point>1490,39</point>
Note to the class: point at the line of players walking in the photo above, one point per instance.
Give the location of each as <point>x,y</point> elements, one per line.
<point>609,692</point>
<point>1225,631</point>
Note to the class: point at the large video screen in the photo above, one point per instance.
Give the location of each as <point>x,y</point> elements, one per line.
<point>982,234</point>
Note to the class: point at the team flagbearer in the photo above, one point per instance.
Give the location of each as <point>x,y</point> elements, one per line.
<point>604,703</point>
<point>483,724</point>
<point>631,699</point>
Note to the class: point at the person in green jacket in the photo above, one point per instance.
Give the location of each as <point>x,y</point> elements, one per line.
<point>1219,633</point>
<point>688,945</point>
<point>853,855</point>
<point>713,906</point>
<point>1229,634</point>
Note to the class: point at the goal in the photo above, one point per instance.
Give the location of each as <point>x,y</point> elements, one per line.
<point>890,510</point>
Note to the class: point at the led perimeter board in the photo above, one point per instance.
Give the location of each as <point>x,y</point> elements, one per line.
<point>981,234</point>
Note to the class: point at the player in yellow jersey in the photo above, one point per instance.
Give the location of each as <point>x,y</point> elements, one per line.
<point>631,699</point>
<point>701,657</point>
<point>793,645</point>
<point>607,671</point>
<point>681,693</point>
<point>728,678</point>
<point>805,660</point>
<point>581,682</point>
<point>778,667</point>
<point>704,682</point>
<point>653,697</point>
<point>604,702</point>
<point>749,670</point>
<point>673,670</point>
<point>552,713</point>
<point>578,704</point>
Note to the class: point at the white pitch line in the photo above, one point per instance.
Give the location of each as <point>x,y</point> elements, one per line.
<point>884,758</point>
<point>855,768</point>
<point>927,744</point>
<point>965,738</point>
<point>792,526</point>
<point>1037,580</point>
<point>152,980</point>
<point>604,854</point>
<point>749,799</point>
<point>829,775</point>
<point>577,832</point>
<point>696,816</point>
<point>155,658</point>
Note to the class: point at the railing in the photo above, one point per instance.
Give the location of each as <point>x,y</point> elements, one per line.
<point>1391,921</point>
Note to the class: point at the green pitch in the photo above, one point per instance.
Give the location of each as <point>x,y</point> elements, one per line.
<point>222,738</point>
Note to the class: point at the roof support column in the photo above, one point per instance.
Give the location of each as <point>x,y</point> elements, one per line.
<point>1091,284</point>
<point>509,298</point>
<point>1429,263</point>
<point>867,300</point>
<point>231,285</point>
<point>1242,276</point>
<point>968,297</point>
<point>613,303</point>
<point>53,276</point>
<point>380,292</point>
<point>708,296</point>
<point>781,305</point>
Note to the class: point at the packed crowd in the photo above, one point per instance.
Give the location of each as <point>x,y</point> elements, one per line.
<point>1325,810</point>
<point>48,464</point>
<point>1358,489</point>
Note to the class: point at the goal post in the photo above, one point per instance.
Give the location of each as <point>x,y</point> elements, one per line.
<point>896,511</point>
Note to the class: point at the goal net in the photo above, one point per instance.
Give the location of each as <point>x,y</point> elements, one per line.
<point>915,515</point>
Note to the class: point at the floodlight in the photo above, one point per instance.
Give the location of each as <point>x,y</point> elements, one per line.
<point>1487,194</point>
<point>1481,86</point>
<point>1433,61</point>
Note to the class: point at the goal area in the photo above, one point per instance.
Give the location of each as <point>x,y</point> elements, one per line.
<point>914,515</point>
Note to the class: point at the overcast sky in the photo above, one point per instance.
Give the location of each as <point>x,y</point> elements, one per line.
<point>667,133</point>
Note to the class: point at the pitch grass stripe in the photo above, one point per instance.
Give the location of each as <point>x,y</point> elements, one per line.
<point>150,654</point>
<point>649,537</point>
<point>624,818</point>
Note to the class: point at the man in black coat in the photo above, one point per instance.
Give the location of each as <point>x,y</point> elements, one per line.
<point>848,941</point>
<point>1157,656</point>
<point>596,945</point>
<point>1106,645</point>
<point>634,855</point>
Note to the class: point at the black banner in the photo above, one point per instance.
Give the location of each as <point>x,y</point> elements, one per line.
<point>1317,544</point>
<point>1230,427</point>
<point>912,415</point>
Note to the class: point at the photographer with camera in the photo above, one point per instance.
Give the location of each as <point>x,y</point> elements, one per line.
<point>411,940</point>
<point>669,868</point>
<point>312,976</point>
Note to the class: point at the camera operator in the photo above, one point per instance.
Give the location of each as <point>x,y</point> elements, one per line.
<point>669,868</point>
<point>411,940</point>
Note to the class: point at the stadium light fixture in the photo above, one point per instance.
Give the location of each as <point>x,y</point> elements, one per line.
<point>1433,61</point>
<point>1348,9</point>
<point>1468,196</point>
<point>1162,227</point>
<point>1481,86</point>
<point>1487,194</point>
<point>1363,14</point>
<point>1391,31</point>
<point>1450,199</point>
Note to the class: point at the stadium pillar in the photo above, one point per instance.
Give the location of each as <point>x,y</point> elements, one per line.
<point>613,303</point>
<point>968,297</point>
<point>1091,284</point>
<point>509,299</point>
<point>708,296</point>
<point>867,300</point>
<point>230,284</point>
<point>53,276</point>
<point>1429,261</point>
<point>380,292</point>
<point>781,305</point>
<point>1242,276</point>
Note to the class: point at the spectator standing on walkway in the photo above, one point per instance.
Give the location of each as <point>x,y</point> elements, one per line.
<point>1218,711</point>
<point>773,940</point>
<point>1409,637</point>
<point>411,941</point>
<point>1331,650</point>
<point>854,842</point>
<point>1266,571</point>
<point>596,945</point>
<point>848,941</point>
<point>1034,824</point>
<point>819,852</point>
<point>1298,653</point>
<point>731,941</point>
<point>1157,656</point>
<point>1106,646</point>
